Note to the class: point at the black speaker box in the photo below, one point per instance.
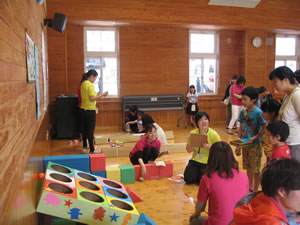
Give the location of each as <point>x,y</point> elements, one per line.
<point>59,22</point>
<point>67,117</point>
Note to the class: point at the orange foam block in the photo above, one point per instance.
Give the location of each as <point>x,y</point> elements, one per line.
<point>97,162</point>
<point>133,195</point>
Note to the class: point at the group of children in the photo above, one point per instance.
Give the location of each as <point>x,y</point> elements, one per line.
<point>221,171</point>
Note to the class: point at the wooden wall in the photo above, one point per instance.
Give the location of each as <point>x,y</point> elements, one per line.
<point>154,47</point>
<point>153,60</point>
<point>18,121</point>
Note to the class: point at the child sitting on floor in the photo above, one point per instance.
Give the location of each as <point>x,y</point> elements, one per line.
<point>277,132</point>
<point>147,149</point>
<point>138,122</point>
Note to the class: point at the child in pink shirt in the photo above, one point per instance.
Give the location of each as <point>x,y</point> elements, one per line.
<point>236,102</point>
<point>146,149</point>
<point>223,186</point>
<point>277,132</point>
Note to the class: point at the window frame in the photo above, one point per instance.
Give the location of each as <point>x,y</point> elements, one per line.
<point>103,54</point>
<point>203,56</point>
<point>286,58</point>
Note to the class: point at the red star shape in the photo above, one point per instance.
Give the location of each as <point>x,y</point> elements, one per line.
<point>68,203</point>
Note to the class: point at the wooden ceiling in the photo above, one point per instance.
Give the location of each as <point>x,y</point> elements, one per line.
<point>270,15</point>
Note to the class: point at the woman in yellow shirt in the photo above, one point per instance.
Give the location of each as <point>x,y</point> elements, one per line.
<point>197,164</point>
<point>88,109</point>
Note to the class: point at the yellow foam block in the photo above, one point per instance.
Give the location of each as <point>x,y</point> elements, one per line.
<point>113,173</point>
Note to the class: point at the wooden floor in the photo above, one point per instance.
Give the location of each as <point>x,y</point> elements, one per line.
<point>165,201</point>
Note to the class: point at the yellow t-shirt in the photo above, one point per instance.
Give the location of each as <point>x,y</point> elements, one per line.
<point>212,137</point>
<point>87,89</point>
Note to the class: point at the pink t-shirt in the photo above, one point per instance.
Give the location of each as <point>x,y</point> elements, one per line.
<point>144,142</point>
<point>236,89</point>
<point>223,194</point>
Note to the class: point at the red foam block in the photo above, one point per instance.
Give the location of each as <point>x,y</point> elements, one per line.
<point>149,174</point>
<point>97,162</point>
<point>166,171</point>
<point>137,169</point>
<point>133,195</point>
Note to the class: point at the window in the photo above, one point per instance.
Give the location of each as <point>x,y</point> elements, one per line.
<point>286,53</point>
<point>203,61</point>
<point>102,54</point>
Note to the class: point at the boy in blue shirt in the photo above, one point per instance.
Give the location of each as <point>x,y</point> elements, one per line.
<point>252,125</point>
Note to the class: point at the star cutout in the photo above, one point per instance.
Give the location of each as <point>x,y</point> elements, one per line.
<point>68,203</point>
<point>113,217</point>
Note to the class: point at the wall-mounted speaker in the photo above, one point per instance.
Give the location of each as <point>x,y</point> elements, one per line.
<point>58,22</point>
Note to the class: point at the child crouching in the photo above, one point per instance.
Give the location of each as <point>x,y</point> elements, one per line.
<point>147,149</point>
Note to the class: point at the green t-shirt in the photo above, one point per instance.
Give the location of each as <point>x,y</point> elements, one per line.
<point>87,89</point>
<point>212,137</point>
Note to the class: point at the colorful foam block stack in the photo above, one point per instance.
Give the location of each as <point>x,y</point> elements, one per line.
<point>82,197</point>
<point>95,164</point>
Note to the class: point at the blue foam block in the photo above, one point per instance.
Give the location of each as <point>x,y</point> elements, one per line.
<point>79,162</point>
<point>100,173</point>
<point>144,219</point>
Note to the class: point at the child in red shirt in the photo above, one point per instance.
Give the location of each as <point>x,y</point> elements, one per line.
<point>278,131</point>
<point>146,149</point>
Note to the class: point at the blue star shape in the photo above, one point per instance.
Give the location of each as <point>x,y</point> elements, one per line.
<point>113,217</point>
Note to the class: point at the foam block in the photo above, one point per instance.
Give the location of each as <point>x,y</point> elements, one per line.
<point>151,172</point>
<point>97,162</point>
<point>113,173</point>
<point>103,139</point>
<point>145,219</point>
<point>166,171</point>
<point>169,134</point>
<point>175,148</point>
<point>137,171</point>
<point>127,174</point>
<point>109,152</point>
<point>79,162</point>
<point>100,173</point>
<point>116,151</point>
<point>133,195</point>
<point>124,151</point>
